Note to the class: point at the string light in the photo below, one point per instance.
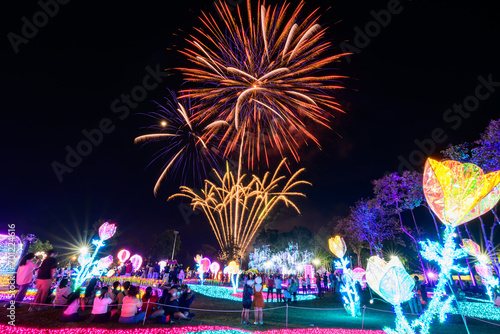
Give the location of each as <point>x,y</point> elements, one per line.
<point>178,330</point>
<point>227,293</point>
<point>478,310</point>
<point>348,290</point>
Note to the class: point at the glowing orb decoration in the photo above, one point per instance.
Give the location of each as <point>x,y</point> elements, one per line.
<point>84,259</point>
<point>205,264</point>
<point>459,192</point>
<point>104,262</point>
<point>337,246</point>
<point>123,255</point>
<point>471,247</point>
<point>136,261</point>
<point>106,231</point>
<point>11,248</point>
<point>214,267</point>
<point>389,279</point>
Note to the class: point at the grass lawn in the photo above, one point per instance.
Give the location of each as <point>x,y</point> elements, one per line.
<point>319,313</point>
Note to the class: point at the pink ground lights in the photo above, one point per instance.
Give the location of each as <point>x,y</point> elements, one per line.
<point>179,330</point>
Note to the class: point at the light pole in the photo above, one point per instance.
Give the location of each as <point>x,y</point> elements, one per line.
<point>173,248</point>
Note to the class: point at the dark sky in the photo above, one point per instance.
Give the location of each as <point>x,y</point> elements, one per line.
<point>427,57</point>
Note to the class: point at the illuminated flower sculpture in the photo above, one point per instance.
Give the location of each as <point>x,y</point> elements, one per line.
<point>391,281</point>
<point>337,246</point>
<point>471,247</point>
<point>483,268</point>
<point>456,193</point>
<point>88,264</point>
<point>233,269</point>
<point>106,231</point>
<point>348,290</point>
<point>202,265</point>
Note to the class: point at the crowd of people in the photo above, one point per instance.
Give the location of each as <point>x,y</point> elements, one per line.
<point>266,287</point>
<point>172,299</point>
<point>101,303</point>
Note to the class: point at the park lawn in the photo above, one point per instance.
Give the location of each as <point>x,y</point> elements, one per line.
<point>324,313</point>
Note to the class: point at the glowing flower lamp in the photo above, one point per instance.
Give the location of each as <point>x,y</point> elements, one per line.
<point>389,279</point>
<point>233,269</point>
<point>337,246</point>
<point>136,261</point>
<point>84,259</point>
<point>104,262</point>
<point>123,255</point>
<point>459,192</point>
<point>350,296</point>
<point>106,231</point>
<point>214,268</point>
<point>471,247</point>
<point>205,264</point>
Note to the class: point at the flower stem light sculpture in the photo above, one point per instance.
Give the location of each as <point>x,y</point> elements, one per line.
<point>348,290</point>
<point>254,200</point>
<point>391,281</point>
<point>233,269</point>
<point>106,231</point>
<point>483,267</point>
<point>456,193</point>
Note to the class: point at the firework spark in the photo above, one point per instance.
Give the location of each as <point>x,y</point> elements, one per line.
<point>265,76</point>
<point>254,199</point>
<point>185,147</point>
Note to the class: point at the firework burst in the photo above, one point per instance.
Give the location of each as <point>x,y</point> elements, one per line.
<point>264,75</point>
<point>184,148</point>
<point>254,198</point>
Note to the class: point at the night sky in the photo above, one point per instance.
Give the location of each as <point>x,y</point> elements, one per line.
<point>63,79</point>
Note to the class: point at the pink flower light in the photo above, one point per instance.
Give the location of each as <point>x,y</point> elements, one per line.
<point>106,231</point>
<point>136,261</point>
<point>123,255</point>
